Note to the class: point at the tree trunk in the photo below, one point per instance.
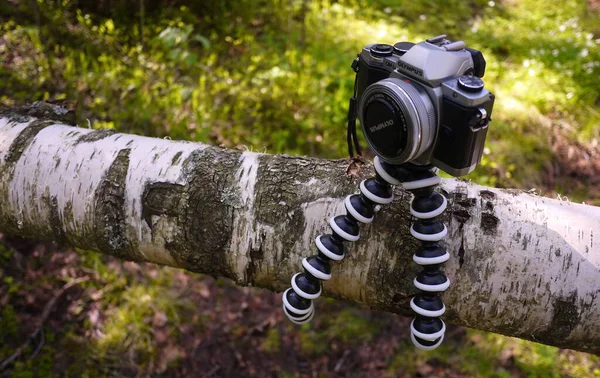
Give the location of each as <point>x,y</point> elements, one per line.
<point>521,265</point>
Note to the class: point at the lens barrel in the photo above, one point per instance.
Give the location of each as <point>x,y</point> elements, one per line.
<point>397,119</point>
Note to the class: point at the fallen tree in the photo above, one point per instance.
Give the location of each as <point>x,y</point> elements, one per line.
<point>521,265</point>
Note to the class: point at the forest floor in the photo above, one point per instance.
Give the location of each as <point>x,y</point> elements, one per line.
<point>227,331</point>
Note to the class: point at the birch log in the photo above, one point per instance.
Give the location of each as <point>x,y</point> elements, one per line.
<point>521,265</point>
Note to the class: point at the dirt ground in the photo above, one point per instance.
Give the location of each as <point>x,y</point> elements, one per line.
<point>235,337</point>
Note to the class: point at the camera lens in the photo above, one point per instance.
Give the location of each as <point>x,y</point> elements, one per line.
<point>385,124</point>
<point>397,119</point>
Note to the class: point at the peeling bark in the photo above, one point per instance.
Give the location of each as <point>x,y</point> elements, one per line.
<point>521,265</point>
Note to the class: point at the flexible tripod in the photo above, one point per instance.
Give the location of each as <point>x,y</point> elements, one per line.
<point>427,329</point>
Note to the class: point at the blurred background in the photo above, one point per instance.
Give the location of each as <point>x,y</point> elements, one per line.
<point>274,76</point>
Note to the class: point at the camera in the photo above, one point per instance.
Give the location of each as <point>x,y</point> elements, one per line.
<point>423,103</point>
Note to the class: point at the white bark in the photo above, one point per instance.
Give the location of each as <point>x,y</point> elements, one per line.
<point>521,264</point>
<point>59,166</point>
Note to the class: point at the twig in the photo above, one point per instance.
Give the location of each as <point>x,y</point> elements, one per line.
<point>45,314</point>
<point>339,364</point>
<point>3,288</point>
<point>212,372</point>
<point>39,347</point>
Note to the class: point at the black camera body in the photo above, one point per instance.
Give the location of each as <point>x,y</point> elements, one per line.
<point>424,103</point>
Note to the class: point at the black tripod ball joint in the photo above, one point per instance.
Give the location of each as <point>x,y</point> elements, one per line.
<point>427,329</point>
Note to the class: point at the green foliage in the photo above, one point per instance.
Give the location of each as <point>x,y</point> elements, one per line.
<point>41,366</point>
<point>5,253</point>
<point>532,359</point>
<point>276,77</point>
<point>312,341</point>
<point>490,355</point>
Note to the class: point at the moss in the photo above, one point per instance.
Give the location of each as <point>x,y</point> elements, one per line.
<point>351,326</point>
<point>313,342</point>
<point>272,341</point>
<point>9,324</point>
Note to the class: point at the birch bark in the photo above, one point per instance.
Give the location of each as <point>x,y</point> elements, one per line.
<point>521,265</point>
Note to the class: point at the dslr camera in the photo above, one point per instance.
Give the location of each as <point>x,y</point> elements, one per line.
<point>423,103</point>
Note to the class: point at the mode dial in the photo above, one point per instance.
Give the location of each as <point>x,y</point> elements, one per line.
<point>470,83</point>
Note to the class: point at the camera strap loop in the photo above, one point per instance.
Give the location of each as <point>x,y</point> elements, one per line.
<point>352,137</point>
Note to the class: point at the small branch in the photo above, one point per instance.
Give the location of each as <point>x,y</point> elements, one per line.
<point>39,347</point>
<point>45,314</point>
<point>212,372</point>
<point>340,363</point>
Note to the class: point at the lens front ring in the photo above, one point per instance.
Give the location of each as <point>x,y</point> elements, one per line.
<point>398,120</point>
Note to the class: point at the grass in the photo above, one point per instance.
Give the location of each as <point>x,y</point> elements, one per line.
<point>136,305</point>
<point>485,355</point>
<point>276,78</point>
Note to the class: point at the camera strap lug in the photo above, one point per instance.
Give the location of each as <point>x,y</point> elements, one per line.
<point>355,63</point>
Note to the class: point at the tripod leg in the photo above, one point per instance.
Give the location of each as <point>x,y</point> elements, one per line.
<point>427,329</point>
<point>306,286</point>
